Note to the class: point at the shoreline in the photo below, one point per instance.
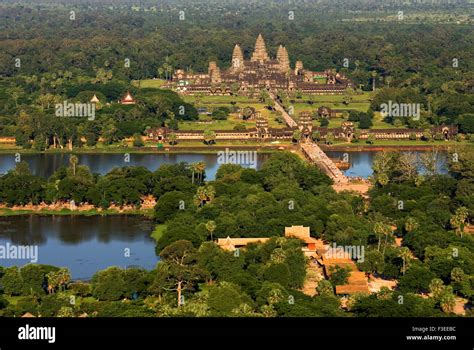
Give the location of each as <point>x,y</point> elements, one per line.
<point>154,150</point>
<point>382,148</point>
<point>8,212</point>
<point>260,148</point>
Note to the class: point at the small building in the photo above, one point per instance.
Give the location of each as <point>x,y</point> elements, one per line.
<point>94,99</point>
<point>127,99</point>
<point>235,243</point>
<point>326,112</point>
<point>310,247</point>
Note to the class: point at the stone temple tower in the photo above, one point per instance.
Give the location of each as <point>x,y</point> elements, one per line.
<point>305,124</point>
<point>262,126</point>
<point>260,53</point>
<point>283,59</point>
<point>214,73</point>
<point>298,67</point>
<point>237,59</point>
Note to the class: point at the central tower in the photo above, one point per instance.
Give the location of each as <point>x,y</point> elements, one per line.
<point>260,53</point>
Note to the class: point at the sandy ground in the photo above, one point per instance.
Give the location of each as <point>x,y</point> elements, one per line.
<point>361,188</point>
<point>148,202</point>
<point>314,274</point>
<point>459,306</point>
<point>376,283</point>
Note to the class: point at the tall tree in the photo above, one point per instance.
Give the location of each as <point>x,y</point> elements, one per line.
<point>180,269</point>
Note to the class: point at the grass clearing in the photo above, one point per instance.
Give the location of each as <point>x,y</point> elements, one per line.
<point>149,83</point>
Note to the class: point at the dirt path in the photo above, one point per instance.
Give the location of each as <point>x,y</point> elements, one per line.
<point>361,188</point>
<point>314,274</point>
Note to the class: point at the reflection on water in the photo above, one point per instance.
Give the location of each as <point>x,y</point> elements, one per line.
<point>46,164</point>
<point>361,162</point>
<point>83,244</point>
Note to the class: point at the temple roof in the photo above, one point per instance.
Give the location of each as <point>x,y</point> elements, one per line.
<point>128,99</point>
<point>260,52</point>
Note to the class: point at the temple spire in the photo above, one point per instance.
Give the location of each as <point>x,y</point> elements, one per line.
<point>237,58</point>
<point>260,53</point>
<point>283,59</point>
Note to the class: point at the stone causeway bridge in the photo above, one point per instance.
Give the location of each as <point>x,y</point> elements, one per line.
<point>311,150</point>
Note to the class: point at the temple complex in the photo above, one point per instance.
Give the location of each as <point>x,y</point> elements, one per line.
<point>263,132</point>
<point>261,71</point>
<point>310,245</point>
<point>312,248</point>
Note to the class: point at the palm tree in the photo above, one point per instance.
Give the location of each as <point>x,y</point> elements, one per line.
<point>436,288</point>
<point>165,68</point>
<point>53,281</point>
<point>316,136</point>
<point>381,229</point>
<point>443,295</point>
<point>457,275</point>
<point>204,194</point>
<point>73,160</point>
<point>64,277</point>
<point>411,225</point>
<point>405,254</point>
<point>160,72</point>
<point>172,138</point>
<point>211,227</point>
<point>373,74</point>
<point>388,79</point>
<point>209,136</point>
<point>458,220</point>
<point>200,167</point>
<point>448,300</point>
<point>57,279</point>
<point>297,135</point>
<point>193,168</point>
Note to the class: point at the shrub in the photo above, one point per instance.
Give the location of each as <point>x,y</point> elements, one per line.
<point>138,140</point>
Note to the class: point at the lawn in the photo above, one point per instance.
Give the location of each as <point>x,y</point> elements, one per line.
<point>364,96</point>
<point>300,106</point>
<point>205,100</point>
<point>207,123</point>
<point>149,83</point>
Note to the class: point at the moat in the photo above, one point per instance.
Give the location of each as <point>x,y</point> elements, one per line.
<point>45,164</point>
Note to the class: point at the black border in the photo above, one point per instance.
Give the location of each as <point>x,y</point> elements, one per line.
<point>336,333</point>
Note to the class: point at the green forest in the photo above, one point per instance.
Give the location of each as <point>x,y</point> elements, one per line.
<point>195,277</point>
<point>71,52</point>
